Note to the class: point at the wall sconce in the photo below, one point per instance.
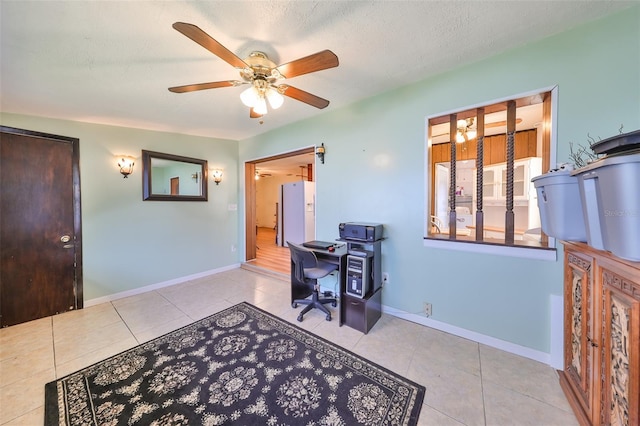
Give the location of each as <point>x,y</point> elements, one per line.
<point>126,163</point>
<point>320,152</point>
<point>217,176</point>
<point>195,177</point>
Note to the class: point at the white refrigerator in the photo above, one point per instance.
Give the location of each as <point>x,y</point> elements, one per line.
<point>297,216</point>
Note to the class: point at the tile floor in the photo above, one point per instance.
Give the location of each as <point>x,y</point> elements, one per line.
<point>466,383</point>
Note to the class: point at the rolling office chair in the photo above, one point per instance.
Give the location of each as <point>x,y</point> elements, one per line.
<point>306,270</point>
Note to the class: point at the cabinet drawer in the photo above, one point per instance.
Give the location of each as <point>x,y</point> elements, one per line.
<point>362,314</point>
<point>355,312</point>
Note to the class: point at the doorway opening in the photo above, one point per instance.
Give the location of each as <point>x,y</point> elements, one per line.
<point>264,178</point>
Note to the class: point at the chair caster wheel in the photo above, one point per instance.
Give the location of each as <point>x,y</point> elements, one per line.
<point>294,305</point>
<point>334,304</point>
<point>329,317</point>
<point>300,318</point>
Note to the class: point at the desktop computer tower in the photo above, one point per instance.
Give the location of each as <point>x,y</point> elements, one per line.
<point>359,279</point>
<point>372,250</point>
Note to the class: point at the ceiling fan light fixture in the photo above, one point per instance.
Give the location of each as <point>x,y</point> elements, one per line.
<point>260,106</point>
<point>275,99</point>
<point>249,97</point>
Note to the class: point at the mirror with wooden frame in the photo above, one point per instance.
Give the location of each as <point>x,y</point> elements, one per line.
<point>168,177</point>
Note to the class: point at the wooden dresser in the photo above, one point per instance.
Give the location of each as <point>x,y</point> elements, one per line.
<point>601,376</point>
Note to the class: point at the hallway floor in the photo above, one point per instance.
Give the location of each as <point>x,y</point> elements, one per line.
<point>466,383</point>
<point>269,255</point>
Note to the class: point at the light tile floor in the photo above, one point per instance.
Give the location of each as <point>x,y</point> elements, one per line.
<point>466,383</point>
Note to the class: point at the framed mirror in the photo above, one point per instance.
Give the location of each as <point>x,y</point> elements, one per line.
<point>167,177</point>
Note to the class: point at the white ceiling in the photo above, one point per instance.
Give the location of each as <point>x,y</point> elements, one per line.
<point>111,62</point>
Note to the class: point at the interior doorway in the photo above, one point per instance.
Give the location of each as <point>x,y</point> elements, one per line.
<point>175,186</point>
<point>261,248</point>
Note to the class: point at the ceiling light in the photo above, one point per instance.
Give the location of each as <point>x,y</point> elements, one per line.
<point>275,98</point>
<point>256,97</point>
<point>249,96</point>
<point>260,107</point>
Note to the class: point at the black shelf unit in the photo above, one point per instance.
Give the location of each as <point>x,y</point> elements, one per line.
<point>363,313</point>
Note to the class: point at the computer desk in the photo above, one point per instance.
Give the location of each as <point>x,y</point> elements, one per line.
<point>300,290</point>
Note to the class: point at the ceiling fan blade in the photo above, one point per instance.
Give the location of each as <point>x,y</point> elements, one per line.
<point>302,96</point>
<point>203,86</point>
<point>501,123</point>
<point>487,125</point>
<point>312,63</point>
<point>254,114</point>
<point>206,41</point>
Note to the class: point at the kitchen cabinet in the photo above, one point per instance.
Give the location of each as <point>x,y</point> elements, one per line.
<point>495,148</point>
<point>490,182</point>
<point>494,181</point>
<point>523,171</point>
<point>525,200</point>
<point>601,376</point>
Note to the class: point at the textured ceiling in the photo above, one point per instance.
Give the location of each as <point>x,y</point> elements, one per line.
<point>111,62</point>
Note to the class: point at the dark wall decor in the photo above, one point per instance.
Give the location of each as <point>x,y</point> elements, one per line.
<point>168,177</point>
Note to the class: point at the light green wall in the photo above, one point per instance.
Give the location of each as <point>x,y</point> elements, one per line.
<point>375,171</point>
<point>129,243</point>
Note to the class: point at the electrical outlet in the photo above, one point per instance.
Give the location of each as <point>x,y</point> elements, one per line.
<point>385,278</point>
<point>427,309</point>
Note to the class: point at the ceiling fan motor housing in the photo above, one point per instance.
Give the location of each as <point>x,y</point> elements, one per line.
<point>260,67</point>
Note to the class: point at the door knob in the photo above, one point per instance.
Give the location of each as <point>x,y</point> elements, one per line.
<point>64,240</point>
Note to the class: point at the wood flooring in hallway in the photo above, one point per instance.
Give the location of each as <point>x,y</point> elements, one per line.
<point>269,255</point>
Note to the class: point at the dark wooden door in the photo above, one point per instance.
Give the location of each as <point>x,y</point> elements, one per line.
<point>40,233</point>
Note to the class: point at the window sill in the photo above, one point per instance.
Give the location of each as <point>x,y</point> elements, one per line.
<point>537,253</point>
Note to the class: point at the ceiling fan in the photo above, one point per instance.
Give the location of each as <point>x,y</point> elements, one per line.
<point>260,174</point>
<point>466,129</point>
<point>258,71</point>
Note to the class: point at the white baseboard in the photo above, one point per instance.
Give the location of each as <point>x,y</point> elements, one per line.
<point>140,290</point>
<point>554,359</point>
<point>471,335</point>
<point>557,331</point>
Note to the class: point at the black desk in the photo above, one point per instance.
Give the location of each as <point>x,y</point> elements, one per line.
<point>358,313</point>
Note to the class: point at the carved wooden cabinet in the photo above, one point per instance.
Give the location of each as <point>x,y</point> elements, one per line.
<point>601,376</point>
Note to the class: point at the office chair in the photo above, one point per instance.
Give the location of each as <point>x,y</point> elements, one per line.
<point>306,269</point>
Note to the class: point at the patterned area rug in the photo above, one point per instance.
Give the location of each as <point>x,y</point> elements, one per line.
<point>240,366</point>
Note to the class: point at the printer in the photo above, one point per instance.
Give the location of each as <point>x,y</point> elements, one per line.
<point>360,231</point>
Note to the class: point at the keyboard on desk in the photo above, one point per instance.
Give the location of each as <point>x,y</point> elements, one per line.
<point>318,245</point>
